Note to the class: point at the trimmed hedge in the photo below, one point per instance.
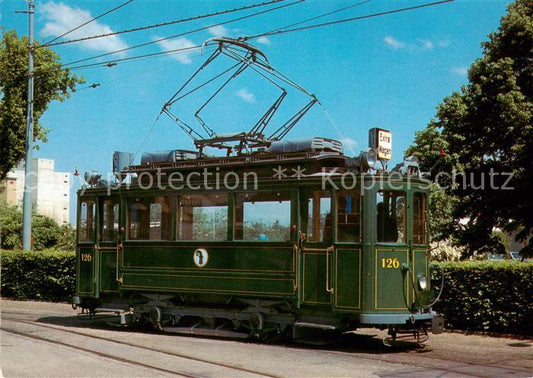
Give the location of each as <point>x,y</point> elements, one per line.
<point>45,275</point>
<point>488,296</point>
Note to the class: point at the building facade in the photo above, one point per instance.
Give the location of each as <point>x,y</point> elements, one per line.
<point>50,190</point>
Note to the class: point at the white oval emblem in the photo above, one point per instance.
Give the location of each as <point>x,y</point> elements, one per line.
<point>200,257</point>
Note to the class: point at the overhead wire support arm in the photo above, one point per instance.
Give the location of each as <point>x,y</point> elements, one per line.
<point>211,133</point>
<point>195,136</point>
<point>280,133</point>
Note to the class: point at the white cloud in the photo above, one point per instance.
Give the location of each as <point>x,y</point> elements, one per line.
<point>444,43</point>
<point>394,43</point>
<point>61,18</point>
<point>245,95</point>
<point>264,41</point>
<point>463,71</point>
<point>426,44</point>
<point>218,31</point>
<point>175,44</point>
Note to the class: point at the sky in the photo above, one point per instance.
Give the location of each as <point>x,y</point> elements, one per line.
<point>390,71</point>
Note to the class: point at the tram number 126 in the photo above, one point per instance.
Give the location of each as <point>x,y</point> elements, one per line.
<point>390,263</point>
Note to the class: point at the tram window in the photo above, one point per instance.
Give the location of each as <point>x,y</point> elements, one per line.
<point>263,216</point>
<point>391,217</point>
<point>149,219</point>
<point>419,218</point>
<point>319,216</point>
<point>110,214</point>
<point>348,216</point>
<point>86,227</point>
<point>203,217</point>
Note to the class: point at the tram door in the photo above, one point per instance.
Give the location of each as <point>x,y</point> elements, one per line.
<point>317,250</point>
<point>109,244</point>
<point>392,251</point>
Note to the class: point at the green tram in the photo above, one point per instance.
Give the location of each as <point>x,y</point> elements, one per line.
<point>291,239</point>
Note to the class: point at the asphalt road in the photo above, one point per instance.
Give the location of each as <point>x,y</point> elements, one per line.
<point>49,339</point>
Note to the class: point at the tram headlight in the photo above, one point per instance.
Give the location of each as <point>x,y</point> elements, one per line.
<point>422,282</point>
<point>368,159</point>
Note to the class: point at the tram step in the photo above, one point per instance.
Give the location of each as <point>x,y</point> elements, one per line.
<point>315,325</point>
<point>206,332</point>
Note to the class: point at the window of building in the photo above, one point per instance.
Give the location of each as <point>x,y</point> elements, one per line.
<point>319,216</point>
<point>263,216</point>
<point>391,217</point>
<point>87,220</point>
<point>149,218</point>
<point>348,216</point>
<point>203,217</point>
<point>419,218</point>
<point>110,219</point>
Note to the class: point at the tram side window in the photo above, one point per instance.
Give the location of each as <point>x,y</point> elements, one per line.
<point>348,216</point>
<point>110,225</point>
<point>86,228</point>
<point>262,216</point>
<point>391,217</point>
<point>203,217</point>
<point>419,218</point>
<point>149,219</point>
<point>319,216</point>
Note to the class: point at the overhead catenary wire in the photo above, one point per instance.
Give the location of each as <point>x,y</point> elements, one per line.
<point>185,33</point>
<point>99,84</point>
<point>162,24</point>
<point>321,15</point>
<point>50,43</point>
<point>271,33</point>
<point>351,19</point>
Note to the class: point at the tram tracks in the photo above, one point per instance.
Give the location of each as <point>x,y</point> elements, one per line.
<point>232,368</point>
<point>414,360</point>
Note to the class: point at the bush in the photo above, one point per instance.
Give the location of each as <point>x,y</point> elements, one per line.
<point>489,296</point>
<point>46,275</point>
<point>46,233</point>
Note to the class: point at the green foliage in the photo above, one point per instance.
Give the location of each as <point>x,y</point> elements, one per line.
<point>46,232</point>
<point>489,296</point>
<point>484,132</point>
<point>503,240</point>
<point>47,275</point>
<point>50,83</point>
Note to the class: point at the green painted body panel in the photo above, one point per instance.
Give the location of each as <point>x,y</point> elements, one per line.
<point>202,281</point>
<point>390,280</point>
<point>107,270</point>
<point>347,278</point>
<point>85,284</point>
<point>230,257</point>
<point>314,278</point>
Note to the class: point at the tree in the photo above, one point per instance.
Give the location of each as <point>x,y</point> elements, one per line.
<point>46,233</point>
<point>51,83</point>
<point>482,138</point>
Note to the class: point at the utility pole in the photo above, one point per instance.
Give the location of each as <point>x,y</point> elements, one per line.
<point>27,209</point>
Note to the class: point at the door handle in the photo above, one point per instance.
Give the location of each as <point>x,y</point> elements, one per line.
<point>328,288</point>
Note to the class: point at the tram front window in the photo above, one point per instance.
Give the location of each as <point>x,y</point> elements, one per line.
<point>86,226</point>
<point>391,216</point>
<point>263,216</point>
<point>203,217</point>
<point>419,218</point>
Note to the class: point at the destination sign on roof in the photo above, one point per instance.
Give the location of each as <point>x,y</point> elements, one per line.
<point>381,141</point>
